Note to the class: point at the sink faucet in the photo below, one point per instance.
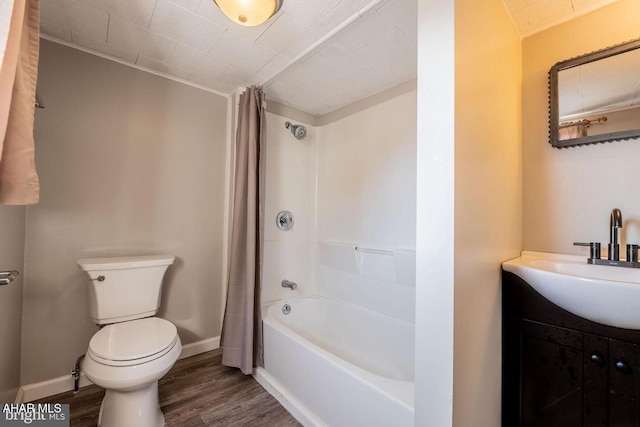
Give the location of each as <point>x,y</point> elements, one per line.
<point>289,284</point>
<point>613,257</point>
<point>615,222</point>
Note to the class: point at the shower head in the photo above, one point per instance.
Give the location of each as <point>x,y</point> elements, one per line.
<point>298,131</point>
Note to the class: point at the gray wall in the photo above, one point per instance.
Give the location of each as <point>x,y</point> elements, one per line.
<point>11,258</point>
<point>129,163</point>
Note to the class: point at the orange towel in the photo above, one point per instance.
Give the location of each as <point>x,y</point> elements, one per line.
<point>18,77</point>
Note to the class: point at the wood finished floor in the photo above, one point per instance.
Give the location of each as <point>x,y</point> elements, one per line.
<point>198,391</point>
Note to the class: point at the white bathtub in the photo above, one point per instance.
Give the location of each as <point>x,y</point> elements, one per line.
<point>334,364</point>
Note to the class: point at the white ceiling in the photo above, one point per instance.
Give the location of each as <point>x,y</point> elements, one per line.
<point>315,55</point>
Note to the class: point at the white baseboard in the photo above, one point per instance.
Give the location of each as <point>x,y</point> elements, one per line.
<point>35,391</point>
<point>289,402</point>
<point>20,396</point>
<point>198,347</point>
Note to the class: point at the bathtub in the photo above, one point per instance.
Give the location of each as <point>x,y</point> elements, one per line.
<point>335,364</point>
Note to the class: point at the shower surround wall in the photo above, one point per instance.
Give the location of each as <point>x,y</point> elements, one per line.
<point>366,198</point>
<point>349,183</point>
<point>290,186</point>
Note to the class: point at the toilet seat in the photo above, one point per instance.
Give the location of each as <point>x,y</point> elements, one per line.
<point>134,342</point>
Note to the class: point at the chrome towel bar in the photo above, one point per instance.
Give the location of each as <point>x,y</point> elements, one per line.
<point>373,250</point>
<point>7,277</point>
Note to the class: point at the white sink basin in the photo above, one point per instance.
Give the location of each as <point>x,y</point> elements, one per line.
<point>603,294</point>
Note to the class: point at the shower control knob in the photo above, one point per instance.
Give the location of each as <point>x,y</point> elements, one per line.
<point>284,220</point>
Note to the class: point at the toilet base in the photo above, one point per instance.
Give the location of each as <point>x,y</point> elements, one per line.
<point>136,408</point>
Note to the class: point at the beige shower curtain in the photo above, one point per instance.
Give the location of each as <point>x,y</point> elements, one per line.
<point>19,44</point>
<point>242,327</point>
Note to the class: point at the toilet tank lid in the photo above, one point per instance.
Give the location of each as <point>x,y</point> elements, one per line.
<point>119,263</point>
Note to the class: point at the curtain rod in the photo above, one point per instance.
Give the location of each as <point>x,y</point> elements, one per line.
<point>587,122</point>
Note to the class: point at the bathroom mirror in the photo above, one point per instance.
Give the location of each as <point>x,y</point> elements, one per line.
<point>596,97</point>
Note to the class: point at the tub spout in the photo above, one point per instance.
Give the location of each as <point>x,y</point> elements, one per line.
<point>289,284</point>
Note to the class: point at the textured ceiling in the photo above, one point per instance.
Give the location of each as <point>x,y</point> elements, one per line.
<point>315,55</point>
<point>532,16</point>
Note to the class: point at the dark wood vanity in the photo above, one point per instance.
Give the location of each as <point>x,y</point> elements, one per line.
<point>559,369</point>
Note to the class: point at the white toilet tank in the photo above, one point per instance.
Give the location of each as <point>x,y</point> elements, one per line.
<point>124,288</point>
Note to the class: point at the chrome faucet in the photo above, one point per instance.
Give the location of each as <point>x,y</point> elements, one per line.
<point>289,284</point>
<point>615,222</point>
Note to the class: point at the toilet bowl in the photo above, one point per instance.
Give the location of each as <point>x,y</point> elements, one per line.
<point>128,359</point>
<point>133,349</point>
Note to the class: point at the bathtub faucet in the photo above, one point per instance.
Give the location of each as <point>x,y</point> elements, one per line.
<point>289,284</point>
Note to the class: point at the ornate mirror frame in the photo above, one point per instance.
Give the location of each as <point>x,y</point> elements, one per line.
<point>554,108</point>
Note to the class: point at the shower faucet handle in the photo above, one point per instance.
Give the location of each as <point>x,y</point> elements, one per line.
<point>594,248</point>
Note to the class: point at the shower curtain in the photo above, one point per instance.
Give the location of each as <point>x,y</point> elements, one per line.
<point>19,49</point>
<point>573,130</point>
<point>241,338</point>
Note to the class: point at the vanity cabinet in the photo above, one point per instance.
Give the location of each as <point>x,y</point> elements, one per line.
<point>562,370</point>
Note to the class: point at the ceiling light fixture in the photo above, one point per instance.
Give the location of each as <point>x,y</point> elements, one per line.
<point>249,12</point>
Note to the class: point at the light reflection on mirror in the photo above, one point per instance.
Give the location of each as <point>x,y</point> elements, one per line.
<point>596,96</point>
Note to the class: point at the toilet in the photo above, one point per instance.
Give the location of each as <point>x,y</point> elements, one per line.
<point>132,350</point>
